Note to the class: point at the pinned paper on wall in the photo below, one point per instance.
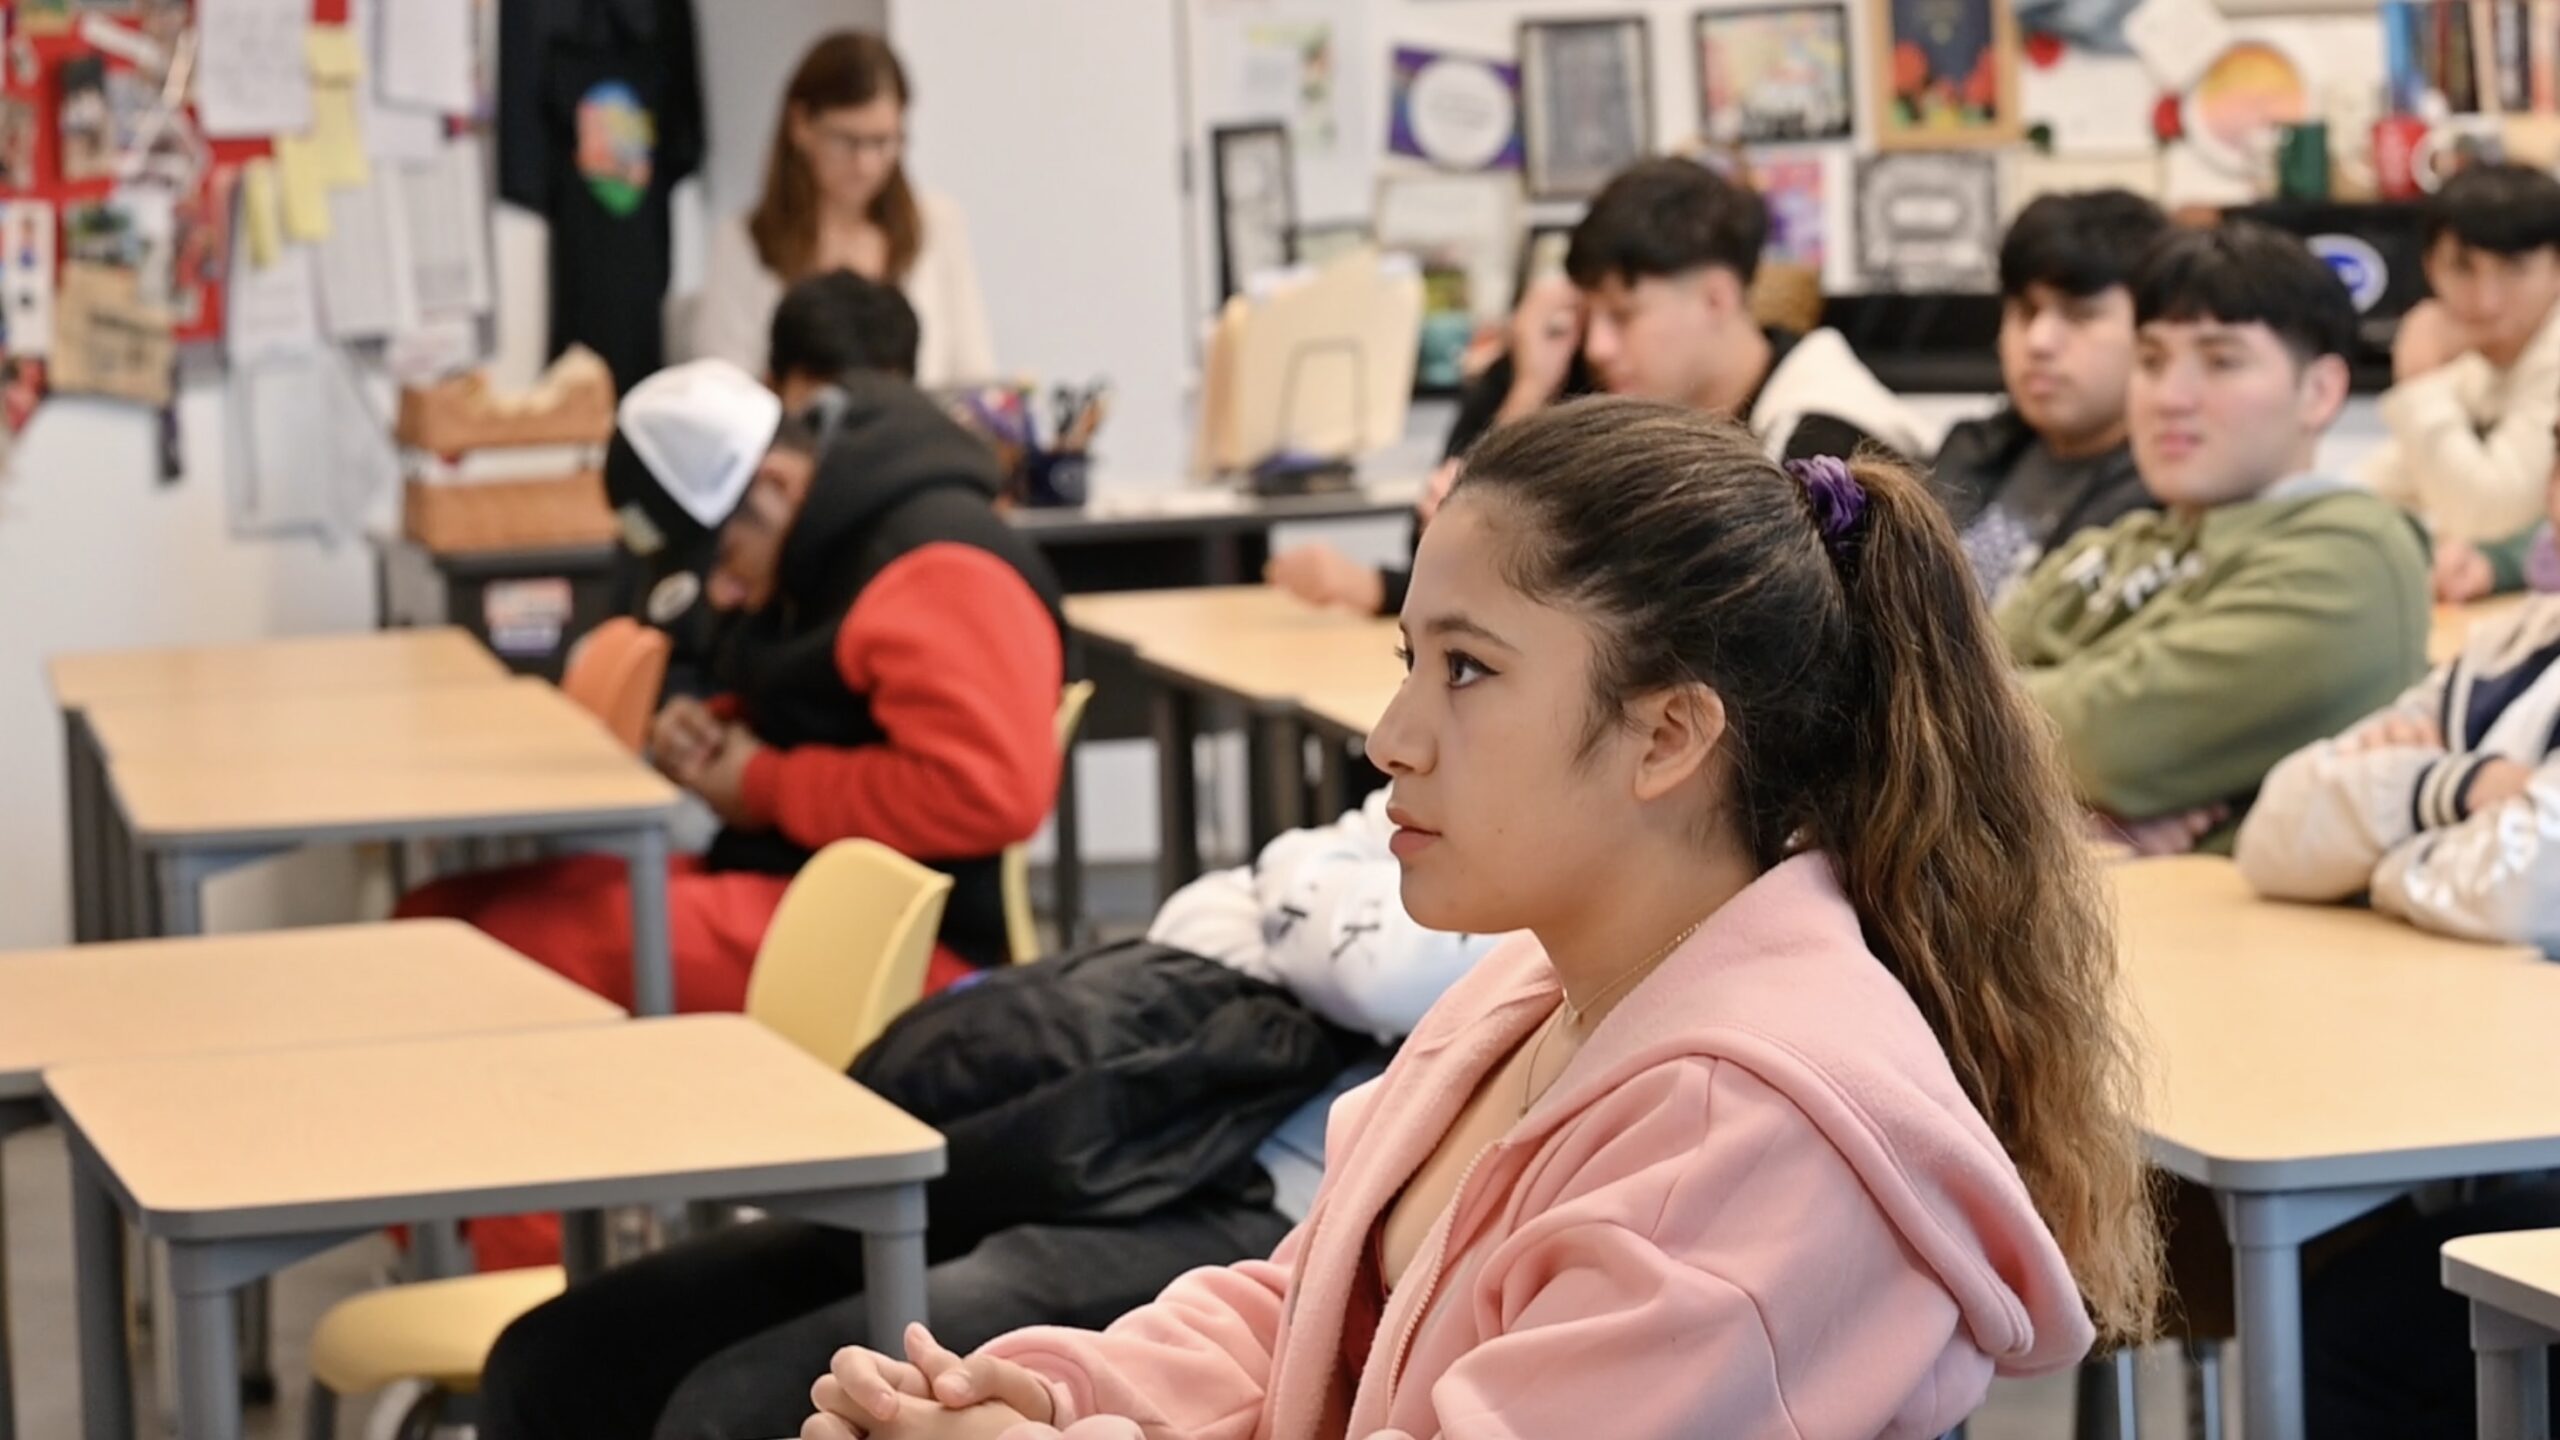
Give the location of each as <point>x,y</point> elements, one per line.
<point>365,287</point>
<point>261,212</point>
<point>274,308</point>
<point>2092,104</point>
<point>107,342</point>
<point>445,202</point>
<point>337,136</point>
<point>391,131</point>
<point>26,277</point>
<point>2177,39</point>
<point>303,186</point>
<point>253,76</point>
<point>428,52</point>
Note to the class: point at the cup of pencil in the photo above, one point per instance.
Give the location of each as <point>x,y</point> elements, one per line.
<point>1044,447</point>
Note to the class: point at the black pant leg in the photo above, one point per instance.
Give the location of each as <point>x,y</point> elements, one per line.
<point>1084,1276</point>
<point>599,1362</point>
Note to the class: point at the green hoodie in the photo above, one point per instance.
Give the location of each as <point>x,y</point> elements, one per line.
<point>2182,654</point>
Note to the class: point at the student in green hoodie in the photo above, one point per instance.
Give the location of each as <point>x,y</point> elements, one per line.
<point>2183,652</point>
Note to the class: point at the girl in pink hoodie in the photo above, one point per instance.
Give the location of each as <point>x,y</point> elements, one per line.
<point>1799,1110</point>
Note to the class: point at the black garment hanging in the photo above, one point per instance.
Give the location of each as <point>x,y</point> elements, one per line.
<point>599,115</point>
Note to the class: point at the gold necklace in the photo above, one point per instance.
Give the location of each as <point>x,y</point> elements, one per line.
<point>1567,1009</point>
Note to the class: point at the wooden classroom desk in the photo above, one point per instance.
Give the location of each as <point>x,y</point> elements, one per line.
<point>2312,1063</point>
<point>298,987</point>
<point>199,787</point>
<point>2452,625</point>
<point>2513,1284</point>
<point>1250,646</point>
<point>244,1163</point>
<point>403,660</point>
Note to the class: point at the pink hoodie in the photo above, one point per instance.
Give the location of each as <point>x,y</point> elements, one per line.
<point>1756,1205</point>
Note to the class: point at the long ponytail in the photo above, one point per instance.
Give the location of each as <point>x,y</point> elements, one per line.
<point>1871,714</point>
<point>1958,842</point>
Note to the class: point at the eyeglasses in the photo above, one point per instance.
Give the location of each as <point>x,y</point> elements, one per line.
<point>854,143</point>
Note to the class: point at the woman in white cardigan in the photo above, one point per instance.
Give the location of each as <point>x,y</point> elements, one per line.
<point>836,196</point>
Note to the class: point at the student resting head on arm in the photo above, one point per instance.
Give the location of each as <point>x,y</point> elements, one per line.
<point>1801,1108</point>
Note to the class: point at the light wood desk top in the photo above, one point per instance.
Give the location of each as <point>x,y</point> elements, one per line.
<point>291,771</point>
<point>1249,641</point>
<point>2298,1047</point>
<point>2517,1272</point>
<point>320,664</point>
<point>309,1141</point>
<point>512,714</point>
<point>318,986</point>
<point>2452,625</point>
<point>1220,615</point>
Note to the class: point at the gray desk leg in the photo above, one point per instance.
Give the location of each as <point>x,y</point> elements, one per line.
<point>653,966</point>
<point>2513,1359</point>
<point>1279,778</point>
<point>208,1366</point>
<point>14,1117</point>
<point>97,1239</point>
<point>2267,1231</point>
<point>893,1283</point>
<point>582,1244</point>
<point>82,824</point>
<point>1177,732</point>
<point>181,888</point>
<point>2269,1282</point>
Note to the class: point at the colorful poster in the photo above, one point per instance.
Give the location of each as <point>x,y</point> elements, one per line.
<point>1773,75</point>
<point>1792,189</point>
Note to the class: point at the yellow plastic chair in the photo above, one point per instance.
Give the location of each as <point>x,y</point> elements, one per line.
<point>846,953</point>
<point>1021,927</point>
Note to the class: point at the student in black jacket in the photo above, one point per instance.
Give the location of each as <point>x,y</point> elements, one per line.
<point>2054,461</point>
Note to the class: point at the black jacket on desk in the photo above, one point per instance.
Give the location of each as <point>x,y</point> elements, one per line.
<point>904,678</point>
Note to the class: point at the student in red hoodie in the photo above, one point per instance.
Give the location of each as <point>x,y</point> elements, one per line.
<point>885,664</point>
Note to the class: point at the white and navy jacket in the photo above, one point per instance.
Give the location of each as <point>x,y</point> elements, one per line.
<point>2397,822</point>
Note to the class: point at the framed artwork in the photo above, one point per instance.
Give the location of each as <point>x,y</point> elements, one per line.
<point>1256,207</point>
<point>1928,222</point>
<point>1946,74</point>
<point>1778,73</point>
<point>1586,102</point>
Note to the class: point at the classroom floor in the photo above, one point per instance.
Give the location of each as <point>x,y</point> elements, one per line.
<point>48,1401</point>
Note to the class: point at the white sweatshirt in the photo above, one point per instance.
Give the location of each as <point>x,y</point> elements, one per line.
<point>2470,449</point>
<point>2397,821</point>
<point>1319,912</point>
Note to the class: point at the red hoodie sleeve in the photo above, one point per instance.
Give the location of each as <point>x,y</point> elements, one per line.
<point>962,665</point>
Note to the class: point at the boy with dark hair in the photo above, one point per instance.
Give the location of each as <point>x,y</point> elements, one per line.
<point>2476,377</point>
<point>1655,303</point>
<point>2183,652</point>
<point>2055,461</point>
<point>830,325</point>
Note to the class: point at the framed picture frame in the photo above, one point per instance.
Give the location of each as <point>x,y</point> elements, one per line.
<point>1542,252</point>
<point>1255,202</point>
<point>1944,74</point>
<point>1586,102</point>
<point>1775,73</point>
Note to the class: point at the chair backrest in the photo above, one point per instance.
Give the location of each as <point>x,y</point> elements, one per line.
<point>847,950</point>
<point>1021,927</point>
<point>615,674</point>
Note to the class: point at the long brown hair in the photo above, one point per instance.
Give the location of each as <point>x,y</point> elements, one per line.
<point>1872,715</point>
<point>846,69</point>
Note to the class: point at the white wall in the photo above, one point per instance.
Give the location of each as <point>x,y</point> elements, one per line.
<point>1053,125</point>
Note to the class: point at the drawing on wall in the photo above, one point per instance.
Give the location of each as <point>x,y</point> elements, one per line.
<point>1774,74</point>
<point>1587,101</point>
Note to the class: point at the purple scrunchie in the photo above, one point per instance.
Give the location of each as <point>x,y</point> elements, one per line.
<point>1837,497</point>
